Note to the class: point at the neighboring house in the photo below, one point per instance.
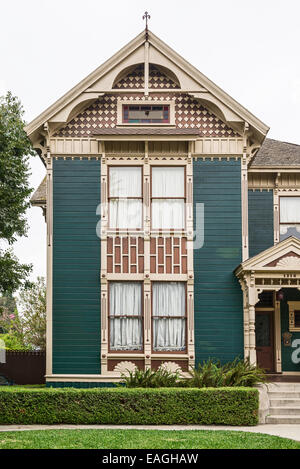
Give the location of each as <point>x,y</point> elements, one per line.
<point>172,224</point>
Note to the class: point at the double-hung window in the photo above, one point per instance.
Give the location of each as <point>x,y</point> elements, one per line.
<point>125,316</point>
<point>169,316</point>
<point>289,217</point>
<point>125,197</point>
<point>168,198</point>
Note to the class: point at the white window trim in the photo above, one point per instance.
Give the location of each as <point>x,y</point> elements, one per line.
<point>148,102</point>
<point>276,208</point>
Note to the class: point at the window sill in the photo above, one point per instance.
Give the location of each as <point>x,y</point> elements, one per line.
<point>144,124</point>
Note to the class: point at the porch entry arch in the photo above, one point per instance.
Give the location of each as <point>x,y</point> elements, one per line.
<point>274,269</point>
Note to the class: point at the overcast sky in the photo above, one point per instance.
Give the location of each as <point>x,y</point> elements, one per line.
<point>250,49</point>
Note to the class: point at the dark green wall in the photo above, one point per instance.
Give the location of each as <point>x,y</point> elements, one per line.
<point>218,296</point>
<point>290,294</point>
<point>260,216</point>
<point>76,267</point>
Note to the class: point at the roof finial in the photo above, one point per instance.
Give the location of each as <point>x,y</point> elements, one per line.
<point>146,17</point>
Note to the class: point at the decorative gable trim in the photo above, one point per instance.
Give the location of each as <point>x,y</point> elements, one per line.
<point>134,52</point>
<point>285,256</point>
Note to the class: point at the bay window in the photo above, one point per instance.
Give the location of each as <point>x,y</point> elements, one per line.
<point>168,198</point>
<point>125,197</point>
<point>125,316</point>
<point>169,316</point>
<point>289,217</point>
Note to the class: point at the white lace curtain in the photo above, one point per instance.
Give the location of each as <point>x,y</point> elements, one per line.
<point>125,188</point>
<point>125,311</point>
<point>168,316</point>
<point>167,206</point>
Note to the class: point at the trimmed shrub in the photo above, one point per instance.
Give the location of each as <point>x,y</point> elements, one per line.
<point>165,406</point>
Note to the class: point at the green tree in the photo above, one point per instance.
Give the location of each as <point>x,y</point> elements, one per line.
<point>32,315</point>
<point>8,309</point>
<point>13,341</point>
<point>15,150</point>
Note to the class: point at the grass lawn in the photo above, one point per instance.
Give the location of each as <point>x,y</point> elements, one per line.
<point>142,439</point>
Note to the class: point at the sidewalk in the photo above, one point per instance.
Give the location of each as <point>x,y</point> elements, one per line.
<point>285,431</point>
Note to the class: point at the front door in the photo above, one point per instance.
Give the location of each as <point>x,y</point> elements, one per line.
<point>264,331</point>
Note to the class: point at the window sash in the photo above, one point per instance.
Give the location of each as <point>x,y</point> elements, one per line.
<point>168,214</point>
<point>125,213</point>
<point>169,316</point>
<point>125,197</point>
<point>290,210</point>
<point>125,316</point>
<point>168,197</point>
<point>168,182</point>
<point>125,181</point>
<point>153,114</point>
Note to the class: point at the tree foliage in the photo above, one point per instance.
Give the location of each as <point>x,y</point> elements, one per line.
<point>15,150</point>
<point>24,329</point>
<point>33,314</point>
<point>7,311</point>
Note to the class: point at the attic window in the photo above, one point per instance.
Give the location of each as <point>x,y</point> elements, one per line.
<point>146,114</point>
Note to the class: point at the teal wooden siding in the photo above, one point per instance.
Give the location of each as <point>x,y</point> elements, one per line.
<point>290,294</point>
<point>76,267</point>
<point>218,302</point>
<point>261,222</point>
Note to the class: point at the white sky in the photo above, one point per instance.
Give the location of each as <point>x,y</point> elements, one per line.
<point>250,49</point>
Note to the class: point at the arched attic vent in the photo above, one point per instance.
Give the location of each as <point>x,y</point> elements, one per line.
<point>159,78</point>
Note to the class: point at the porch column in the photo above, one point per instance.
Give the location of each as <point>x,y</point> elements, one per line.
<point>245,316</point>
<point>252,300</point>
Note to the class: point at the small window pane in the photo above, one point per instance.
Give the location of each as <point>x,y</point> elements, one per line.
<point>297,319</point>
<point>168,214</point>
<point>125,213</point>
<point>290,210</point>
<point>125,181</point>
<point>168,182</point>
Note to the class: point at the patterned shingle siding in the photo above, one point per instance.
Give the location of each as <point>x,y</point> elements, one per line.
<point>218,302</point>
<point>261,224</point>
<point>76,267</point>
<point>135,79</point>
<point>189,114</point>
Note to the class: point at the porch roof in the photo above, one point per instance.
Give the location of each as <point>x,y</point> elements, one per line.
<point>283,257</point>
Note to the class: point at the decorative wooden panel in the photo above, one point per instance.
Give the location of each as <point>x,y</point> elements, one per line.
<point>182,365</point>
<point>168,255</point>
<point>123,365</point>
<point>125,255</point>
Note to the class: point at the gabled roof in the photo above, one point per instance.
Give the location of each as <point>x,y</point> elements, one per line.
<point>205,86</point>
<point>284,256</point>
<point>277,154</point>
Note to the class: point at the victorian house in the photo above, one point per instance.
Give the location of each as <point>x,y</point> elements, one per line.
<point>173,224</point>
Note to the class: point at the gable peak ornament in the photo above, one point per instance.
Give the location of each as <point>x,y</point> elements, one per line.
<point>146,17</point>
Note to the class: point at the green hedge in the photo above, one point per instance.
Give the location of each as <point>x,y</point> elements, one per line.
<point>166,406</point>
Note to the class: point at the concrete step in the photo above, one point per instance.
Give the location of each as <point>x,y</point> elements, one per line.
<point>284,395</point>
<point>279,419</point>
<point>289,402</point>
<point>282,387</point>
<point>294,411</point>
